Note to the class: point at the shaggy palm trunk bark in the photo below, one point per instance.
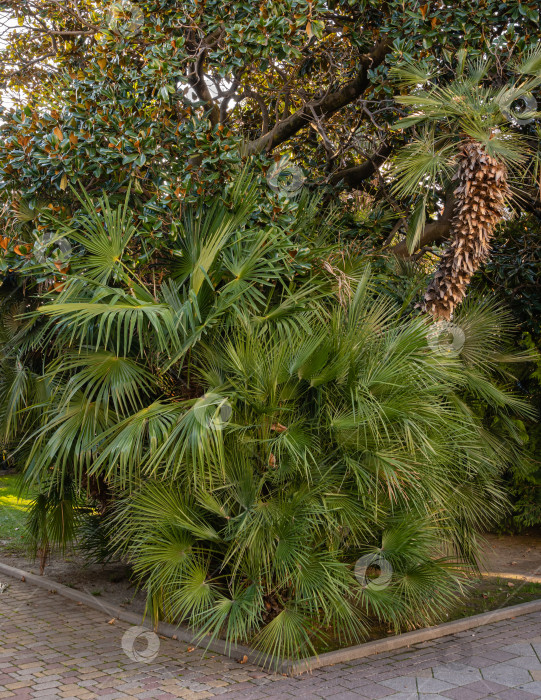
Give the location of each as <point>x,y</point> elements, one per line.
<point>479,205</point>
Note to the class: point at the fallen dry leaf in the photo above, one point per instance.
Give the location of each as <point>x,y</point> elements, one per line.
<point>243,660</point>
<point>112,621</point>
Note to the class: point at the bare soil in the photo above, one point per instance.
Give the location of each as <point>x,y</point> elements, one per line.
<point>513,554</point>
<point>112,582</point>
<point>503,554</point>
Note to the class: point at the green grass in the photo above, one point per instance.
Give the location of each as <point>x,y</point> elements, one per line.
<point>12,514</point>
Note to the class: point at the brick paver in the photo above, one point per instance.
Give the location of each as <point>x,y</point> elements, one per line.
<point>53,648</point>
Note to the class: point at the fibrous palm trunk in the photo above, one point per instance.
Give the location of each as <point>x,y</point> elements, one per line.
<point>479,205</point>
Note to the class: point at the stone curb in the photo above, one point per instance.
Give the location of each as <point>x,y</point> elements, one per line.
<point>416,637</point>
<point>290,668</point>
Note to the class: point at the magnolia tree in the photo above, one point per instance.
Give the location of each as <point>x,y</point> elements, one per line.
<point>171,96</point>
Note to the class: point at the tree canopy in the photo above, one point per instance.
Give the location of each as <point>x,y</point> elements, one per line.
<point>171,96</point>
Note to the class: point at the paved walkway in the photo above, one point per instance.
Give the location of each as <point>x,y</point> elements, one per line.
<point>51,648</point>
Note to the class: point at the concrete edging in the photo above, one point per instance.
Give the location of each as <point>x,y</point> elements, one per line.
<point>416,637</point>
<point>359,651</point>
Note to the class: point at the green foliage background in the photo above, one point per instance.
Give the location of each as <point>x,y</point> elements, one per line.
<point>192,286</point>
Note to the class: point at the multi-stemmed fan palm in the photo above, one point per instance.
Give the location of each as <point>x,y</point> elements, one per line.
<point>263,435</point>
<point>468,147</point>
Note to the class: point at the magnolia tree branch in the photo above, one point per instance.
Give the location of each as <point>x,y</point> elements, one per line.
<point>197,80</point>
<point>434,232</point>
<point>332,102</point>
<point>355,177</point>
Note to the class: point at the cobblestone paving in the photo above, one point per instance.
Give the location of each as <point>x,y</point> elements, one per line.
<point>52,648</point>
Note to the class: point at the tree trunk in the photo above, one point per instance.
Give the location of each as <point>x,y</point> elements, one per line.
<point>479,206</point>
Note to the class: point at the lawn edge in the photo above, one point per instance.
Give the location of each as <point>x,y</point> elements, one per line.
<point>330,658</point>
